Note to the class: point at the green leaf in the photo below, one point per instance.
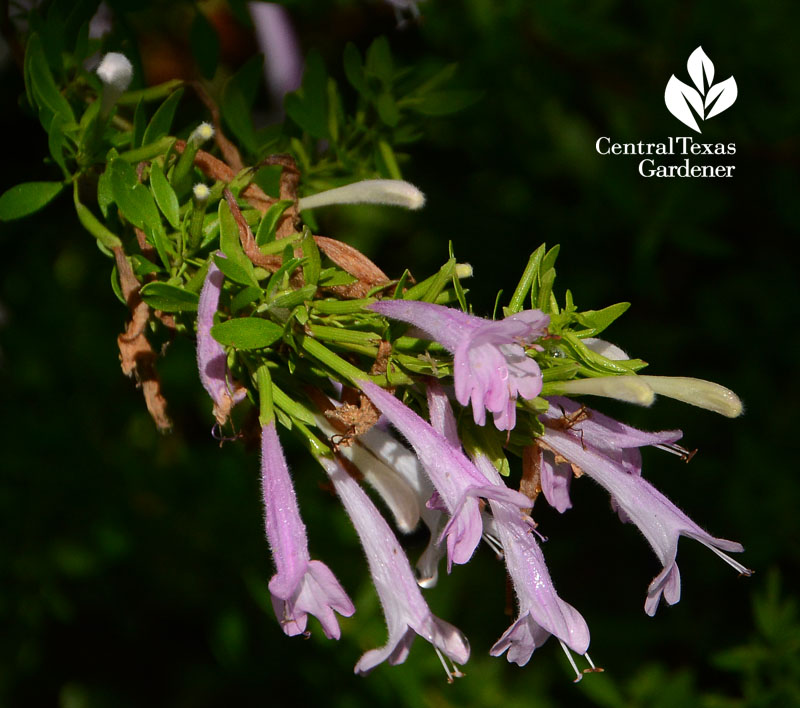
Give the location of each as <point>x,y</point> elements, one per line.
<point>231,246</point>
<point>27,198</point>
<point>247,333</point>
<point>598,320</point>
<point>312,261</point>
<point>333,276</point>
<point>245,297</point>
<point>387,109</point>
<point>169,298</point>
<point>161,122</point>
<point>308,106</point>
<point>159,239</point>
<point>43,85</point>
<point>269,222</point>
<point>204,42</point>
<point>139,124</point>
<point>236,272</point>
<point>354,68</point>
<point>133,199</point>
<point>387,161</point>
<point>379,60</point>
<point>56,141</point>
<point>165,195</point>
<point>116,287</point>
<point>105,195</point>
<point>238,97</point>
<point>442,103</point>
<point>90,222</point>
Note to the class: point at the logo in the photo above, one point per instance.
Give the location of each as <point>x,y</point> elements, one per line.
<point>707,101</point>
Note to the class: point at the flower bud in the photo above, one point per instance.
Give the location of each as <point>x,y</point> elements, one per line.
<point>116,72</point>
<point>393,192</point>
<point>631,389</point>
<point>697,392</point>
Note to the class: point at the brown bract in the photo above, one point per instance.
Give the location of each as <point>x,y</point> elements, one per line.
<point>137,357</point>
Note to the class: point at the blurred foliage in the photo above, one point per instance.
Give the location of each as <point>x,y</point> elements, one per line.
<point>134,567</point>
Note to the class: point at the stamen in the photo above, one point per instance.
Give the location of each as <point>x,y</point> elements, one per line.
<point>742,570</point>
<point>592,668</point>
<point>494,544</point>
<point>578,674</point>
<point>678,450</point>
<point>452,673</point>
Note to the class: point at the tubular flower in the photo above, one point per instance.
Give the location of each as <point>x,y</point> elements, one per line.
<point>456,480</point>
<point>598,447</point>
<point>541,611</point>
<point>397,456</point>
<point>491,367</point>
<point>301,586</point>
<point>407,614</point>
<point>211,359</point>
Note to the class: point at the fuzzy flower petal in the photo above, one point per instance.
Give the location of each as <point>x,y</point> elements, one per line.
<point>300,586</point>
<point>407,613</point>
<point>659,520</point>
<point>491,367</point>
<point>455,478</point>
<point>211,357</point>
<point>393,453</point>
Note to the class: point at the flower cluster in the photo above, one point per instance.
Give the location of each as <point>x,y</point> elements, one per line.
<point>457,489</point>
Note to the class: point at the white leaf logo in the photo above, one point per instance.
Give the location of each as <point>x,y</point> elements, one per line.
<point>707,100</point>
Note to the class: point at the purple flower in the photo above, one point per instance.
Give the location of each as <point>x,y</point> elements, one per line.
<point>300,586</point>
<point>407,614</point>
<point>211,358</point>
<point>600,452</point>
<point>457,481</point>
<point>619,441</point>
<point>277,41</point>
<point>387,448</point>
<point>490,364</point>
<point>541,611</point>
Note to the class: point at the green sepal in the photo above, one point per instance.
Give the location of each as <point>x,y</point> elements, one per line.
<point>484,439</point>
<point>293,298</point>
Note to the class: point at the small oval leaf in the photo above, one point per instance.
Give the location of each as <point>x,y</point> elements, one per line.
<point>247,333</point>
<point>165,196</point>
<point>27,198</point>
<point>169,298</point>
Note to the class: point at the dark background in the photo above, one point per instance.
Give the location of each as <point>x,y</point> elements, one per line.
<point>133,566</point>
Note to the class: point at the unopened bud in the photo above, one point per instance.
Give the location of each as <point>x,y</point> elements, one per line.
<point>463,270</point>
<point>116,72</point>
<point>393,192</point>
<point>631,389</point>
<point>201,134</point>
<point>697,392</point>
<point>201,193</point>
